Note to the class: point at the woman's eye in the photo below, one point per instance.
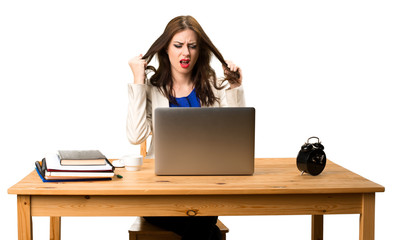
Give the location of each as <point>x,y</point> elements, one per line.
<point>177,46</point>
<point>193,46</point>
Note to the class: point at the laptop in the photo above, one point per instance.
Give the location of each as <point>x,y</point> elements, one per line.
<point>204,141</point>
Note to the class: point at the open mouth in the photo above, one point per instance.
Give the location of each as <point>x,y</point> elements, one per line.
<point>185,63</point>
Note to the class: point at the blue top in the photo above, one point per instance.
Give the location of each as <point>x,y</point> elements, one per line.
<point>190,101</point>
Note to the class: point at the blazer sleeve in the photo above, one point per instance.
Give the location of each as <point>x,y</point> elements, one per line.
<point>235,97</point>
<point>231,97</point>
<point>139,114</point>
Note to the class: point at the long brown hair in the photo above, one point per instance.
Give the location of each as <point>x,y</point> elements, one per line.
<point>202,73</point>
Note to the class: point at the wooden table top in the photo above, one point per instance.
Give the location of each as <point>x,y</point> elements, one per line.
<point>272,176</point>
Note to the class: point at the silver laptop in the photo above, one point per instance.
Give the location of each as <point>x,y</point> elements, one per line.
<point>204,141</point>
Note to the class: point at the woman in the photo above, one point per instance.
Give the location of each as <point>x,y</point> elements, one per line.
<point>184,78</point>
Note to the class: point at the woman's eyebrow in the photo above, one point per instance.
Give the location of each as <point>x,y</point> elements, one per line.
<point>190,43</point>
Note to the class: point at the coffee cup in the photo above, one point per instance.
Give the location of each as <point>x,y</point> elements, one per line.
<point>132,162</point>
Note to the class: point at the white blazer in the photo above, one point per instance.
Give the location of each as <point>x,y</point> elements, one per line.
<point>145,98</point>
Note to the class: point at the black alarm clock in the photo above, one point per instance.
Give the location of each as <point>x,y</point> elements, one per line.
<point>311,158</point>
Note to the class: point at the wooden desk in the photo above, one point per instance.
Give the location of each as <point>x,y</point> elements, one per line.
<point>276,188</point>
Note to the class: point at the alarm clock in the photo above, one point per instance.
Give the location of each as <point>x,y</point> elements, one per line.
<point>311,158</point>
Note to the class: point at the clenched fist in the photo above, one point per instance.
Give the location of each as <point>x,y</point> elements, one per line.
<point>138,66</point>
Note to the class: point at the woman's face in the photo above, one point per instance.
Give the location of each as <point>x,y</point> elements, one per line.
<point>183,51</point>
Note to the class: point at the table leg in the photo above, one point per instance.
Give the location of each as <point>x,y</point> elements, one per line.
<point>317,227</point>
<point>55,227</point>
<point>367,217</point>
<point>25,228</point>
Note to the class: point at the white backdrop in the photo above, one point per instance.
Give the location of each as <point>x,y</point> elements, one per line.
<point>310,68</point>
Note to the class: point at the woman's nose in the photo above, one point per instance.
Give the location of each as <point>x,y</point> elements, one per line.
<point>185,50</point>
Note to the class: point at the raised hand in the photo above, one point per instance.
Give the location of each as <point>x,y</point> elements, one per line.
<point>138,66</point>
<point>234,68</point>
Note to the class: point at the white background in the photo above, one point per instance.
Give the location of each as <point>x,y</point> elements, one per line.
<point>310,68</point>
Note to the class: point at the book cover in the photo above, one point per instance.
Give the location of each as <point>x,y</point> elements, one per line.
<point>52,164</point>
<point>77,175</point>
<point>81,157</point>
<point>68,180</point>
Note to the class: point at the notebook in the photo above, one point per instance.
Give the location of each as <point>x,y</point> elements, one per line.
<point>204,141</point>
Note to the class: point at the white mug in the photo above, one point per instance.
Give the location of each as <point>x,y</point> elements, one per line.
<point>132,162</point>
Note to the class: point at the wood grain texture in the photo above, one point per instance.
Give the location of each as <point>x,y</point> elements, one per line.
<point>367,217</point>
<point>272,176</point>
<point>55,228</point>
<point>317,227</point>
<point>25,228</point>
<point>202,205</point>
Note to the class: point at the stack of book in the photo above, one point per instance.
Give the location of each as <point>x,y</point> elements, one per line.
<point>73,165</point>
